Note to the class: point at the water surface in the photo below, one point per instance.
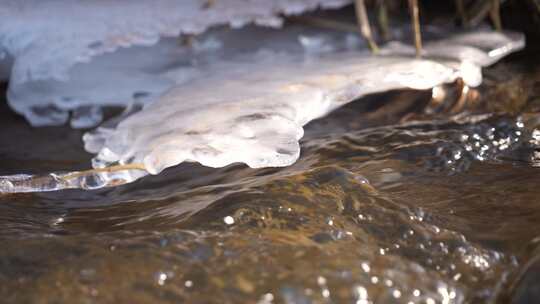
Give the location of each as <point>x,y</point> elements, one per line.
<point>394,200</point>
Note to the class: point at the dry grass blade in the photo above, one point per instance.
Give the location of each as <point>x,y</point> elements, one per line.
<point>363,22</point>
<point>462,13</point>
<point>382,17</point>
<point>495,14</point>
<point>104,170</point>
<point>413,7</point>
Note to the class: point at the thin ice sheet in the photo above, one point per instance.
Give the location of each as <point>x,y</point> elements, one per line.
<point>41,41</point>
<point>250,106</point>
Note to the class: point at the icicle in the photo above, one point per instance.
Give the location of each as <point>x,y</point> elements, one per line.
<point>88,180</point>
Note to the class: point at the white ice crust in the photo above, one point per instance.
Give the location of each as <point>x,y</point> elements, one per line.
<point>247,101</point>
<point>229,96</point>
<point>45,38</point>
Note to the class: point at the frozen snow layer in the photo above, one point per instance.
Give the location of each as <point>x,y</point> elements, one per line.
<point>249,105</point>
<point>47,37</point>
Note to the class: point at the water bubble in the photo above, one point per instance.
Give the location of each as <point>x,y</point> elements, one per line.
<point>365,267</point>
<point>266,298</point>
<point>229,220</point>
<point>361,294</point>
<point>161,278</point>
<point>326,293</point>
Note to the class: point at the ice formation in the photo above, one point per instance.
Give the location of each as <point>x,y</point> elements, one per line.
<point>251,107</point>
<point>230,96</point>
<point>41,41</point>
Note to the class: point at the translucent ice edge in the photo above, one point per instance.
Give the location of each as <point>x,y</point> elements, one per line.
<point>251,108</point>
<point>87,180</point>
<point>237,99</point>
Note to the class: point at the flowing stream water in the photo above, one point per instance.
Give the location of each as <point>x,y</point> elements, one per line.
<point>387,204</point>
